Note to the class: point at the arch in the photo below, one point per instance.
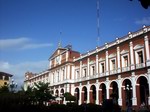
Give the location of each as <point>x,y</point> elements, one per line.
<point>62,91</point>
<point>76,94</point>
<point>114,91</point>
<point>56,93</point>
<point>92,93</point>
<point>127,92</point>
<point>142,90</point>
<point>103,94</point>
<point>84,94</point>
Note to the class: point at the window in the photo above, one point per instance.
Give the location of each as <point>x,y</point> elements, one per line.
<point>93,70</point>
<point>140,57</point>
<point>58,77</point>
<point>102,67</point>
<point>84,72</point>
<point>77,75</point>
<point>125,60</point>
<point>113,64</point>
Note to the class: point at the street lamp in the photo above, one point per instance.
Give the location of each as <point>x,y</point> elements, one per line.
<point>12,85</point>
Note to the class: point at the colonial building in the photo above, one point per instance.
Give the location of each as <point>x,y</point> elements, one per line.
<point>119,70</point>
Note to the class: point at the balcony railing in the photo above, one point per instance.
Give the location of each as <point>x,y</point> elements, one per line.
<point>113,72</point>
<point>124,69</point>
<point>140,65</point>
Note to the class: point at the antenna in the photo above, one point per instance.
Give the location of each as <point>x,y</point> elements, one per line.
<point>98,29</point>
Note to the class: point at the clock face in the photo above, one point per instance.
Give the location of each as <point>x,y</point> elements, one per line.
<point>57,59</point>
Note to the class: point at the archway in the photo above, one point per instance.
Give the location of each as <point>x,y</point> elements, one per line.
<point>127,93</point>
<point>93,94</point>
<point>77,95</point>
<point>114,91</point>
<point>84,94</point>
<point>56,93</point>
<point>102,92</point>
<point>62,95</point>
<point>143,90</point>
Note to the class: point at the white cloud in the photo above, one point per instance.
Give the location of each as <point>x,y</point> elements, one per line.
<point>34,46</point>
<point>143,21</point>
<point>9,43</point>
<point>21,44</point>
<point>18,70</point>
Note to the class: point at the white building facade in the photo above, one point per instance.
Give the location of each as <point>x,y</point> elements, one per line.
<point>119,70</point>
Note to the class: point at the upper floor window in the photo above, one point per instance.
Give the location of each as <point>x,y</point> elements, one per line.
<point>77,74</point>
<point>84,72</point>
<point>92,70</point>
<point>113,64</point>
<point>102,67</point>
<point>125,61</point>
<point>140,57</point>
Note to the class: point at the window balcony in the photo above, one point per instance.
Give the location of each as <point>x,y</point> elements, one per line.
<point>113,72</point>
<point>124,69</point>
<point>140,65</point>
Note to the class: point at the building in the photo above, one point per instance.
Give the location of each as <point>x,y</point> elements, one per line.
<point>119,70</point>
<point>4,78</point>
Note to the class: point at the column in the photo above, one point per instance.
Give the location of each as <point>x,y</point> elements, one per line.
<point>147,50</point>
<point>107,71</point>
<point>73,73</point>
<point>134,98</point>
<point>132,56</point>
<point>97,94</point>
<point>118,59</point>
<point>96,64</point>
<point>91,96</point>
<point>107,88</point>
<point>80,95</point>
<point>88,67</point>
<point>120,91</point>
<point>88,91</point>
<point>68,72</point>
<point>80,69</point>
<point>65,73</point>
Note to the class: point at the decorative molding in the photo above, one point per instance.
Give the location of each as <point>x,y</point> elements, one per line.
<point>139,46</point>
<point>124,52</point>
<point>112,55</point>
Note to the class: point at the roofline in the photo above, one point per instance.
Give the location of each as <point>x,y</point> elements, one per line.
<point>129,36</point>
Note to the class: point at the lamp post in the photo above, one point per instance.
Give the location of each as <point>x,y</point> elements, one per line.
<point>12,85</point>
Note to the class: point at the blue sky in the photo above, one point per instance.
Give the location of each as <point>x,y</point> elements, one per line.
<point>30,29</point>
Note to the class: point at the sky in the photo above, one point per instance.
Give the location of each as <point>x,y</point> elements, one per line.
<point>30,30</point>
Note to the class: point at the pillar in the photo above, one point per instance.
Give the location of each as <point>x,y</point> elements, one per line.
<point>96,64</point>
<point>107,69</point>
<point>97,94</point>
<point>120,92</point>
<point>147,50</point>
<point>134,98</point>
<point>88,67</point>
<point>132,56</point>
<point>88,94</point>
<point>118,59</point>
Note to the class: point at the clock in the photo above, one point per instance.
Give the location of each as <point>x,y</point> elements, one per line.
<point>57,59</point>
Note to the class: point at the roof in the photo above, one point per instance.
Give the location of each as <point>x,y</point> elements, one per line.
<point>5,74</point>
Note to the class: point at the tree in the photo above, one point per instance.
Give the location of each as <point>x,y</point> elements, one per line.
<point>69,97</point>
<point>42,93</point>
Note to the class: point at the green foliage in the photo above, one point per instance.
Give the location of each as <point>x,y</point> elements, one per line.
<point>4,89</point>
<point>69,97</point>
